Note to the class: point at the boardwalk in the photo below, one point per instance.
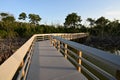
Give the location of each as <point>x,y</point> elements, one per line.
<point>48,64</point>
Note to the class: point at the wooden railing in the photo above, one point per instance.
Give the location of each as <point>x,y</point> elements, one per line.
<point>86,59</point>
<point>16,67</point>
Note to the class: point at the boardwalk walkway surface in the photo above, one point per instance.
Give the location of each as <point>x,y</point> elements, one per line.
<point>49,64</point>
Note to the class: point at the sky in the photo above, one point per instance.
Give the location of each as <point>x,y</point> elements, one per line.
<point>55,11</point>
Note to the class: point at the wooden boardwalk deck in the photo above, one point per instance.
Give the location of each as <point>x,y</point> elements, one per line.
<point>49,64</point>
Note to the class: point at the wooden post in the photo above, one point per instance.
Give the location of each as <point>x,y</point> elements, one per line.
<point>55,43</point>
<point>22,64</point>
<point>43,37</point>
<point>71,37</point>
<point>79,60</point>
<point>23,73</point>
<point>58,45</point>
<point>67,36</point>
<point>61,36</point>
<point>66,51</point>
<point>51,40</point>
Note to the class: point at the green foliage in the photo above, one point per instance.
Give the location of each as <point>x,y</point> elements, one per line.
<point>101,27</point>
<point>34,19</point>
<point>101,21</point>
<point>8,19</point>
<point>91,21</point>
<point>3,34</point>
<point>22,16</point>
<point>72,20</point>
<point>4,14</point>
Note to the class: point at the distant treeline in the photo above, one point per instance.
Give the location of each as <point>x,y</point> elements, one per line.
<point>10,28</point>
<point>103,33</point>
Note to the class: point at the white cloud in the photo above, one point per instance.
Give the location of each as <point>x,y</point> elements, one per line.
<point>112,14</point>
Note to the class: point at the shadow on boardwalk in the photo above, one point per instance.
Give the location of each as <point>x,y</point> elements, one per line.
<point>49,64</point>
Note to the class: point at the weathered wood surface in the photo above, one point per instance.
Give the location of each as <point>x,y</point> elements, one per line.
<point>48,64</point>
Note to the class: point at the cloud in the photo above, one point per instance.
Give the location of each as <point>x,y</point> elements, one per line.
<point>112,14</point>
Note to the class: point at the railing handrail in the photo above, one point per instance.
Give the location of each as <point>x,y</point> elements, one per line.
<point>104,56</point>
<point>11,65</point>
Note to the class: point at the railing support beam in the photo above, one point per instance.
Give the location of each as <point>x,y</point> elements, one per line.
<point>66,51</point>
<point>58,45</point>
<point>79,60</point>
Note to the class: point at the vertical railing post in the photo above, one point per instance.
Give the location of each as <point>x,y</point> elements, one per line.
<point>22,64</point>
<point>55,43</point>
<point>22,70</point>
<point>58,45</point>
<point>43,37</point>
<point>51,40</point>
<point>61,36</point>
<point>66,37</point>
<point>66,51</point>
<point>71,36</point>
<point>79,60</point>
<point>23,73</point>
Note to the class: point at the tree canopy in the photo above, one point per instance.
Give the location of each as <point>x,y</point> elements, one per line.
<point>22,16</point>
<point>91,21</point>
<point>3,14</point>
<point>72,20</point>
<point>34,18</point>
<point>7,17</point>
<point>101,21</point>
<point>100,27</point>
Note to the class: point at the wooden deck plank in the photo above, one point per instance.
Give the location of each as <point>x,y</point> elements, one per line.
<point>49,64</point>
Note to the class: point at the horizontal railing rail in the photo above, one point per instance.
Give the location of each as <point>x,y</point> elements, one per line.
<point>16,66</point>
<point>99,55</point>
